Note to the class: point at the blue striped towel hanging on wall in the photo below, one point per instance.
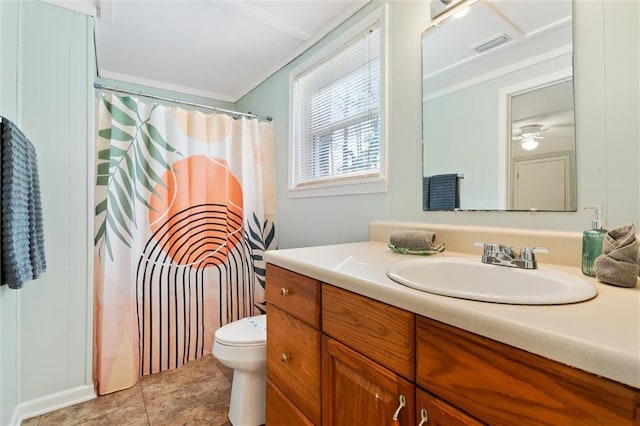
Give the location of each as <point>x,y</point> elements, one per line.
<point>21,226</point>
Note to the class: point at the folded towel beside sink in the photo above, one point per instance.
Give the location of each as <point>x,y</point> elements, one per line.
<point>414,242</point>
<point>618,265</point>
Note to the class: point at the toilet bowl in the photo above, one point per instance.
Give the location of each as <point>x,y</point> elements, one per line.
<point>242,345</point>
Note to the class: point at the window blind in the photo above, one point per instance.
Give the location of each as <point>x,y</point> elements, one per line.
<point>337,114</point>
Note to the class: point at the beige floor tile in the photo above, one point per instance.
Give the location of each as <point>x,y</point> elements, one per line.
<point>195,394</point>
<point>199,395</point>
<point>201,370</point>
<point>33,421</point>
<point>128,400</point>
<point>134,415</point>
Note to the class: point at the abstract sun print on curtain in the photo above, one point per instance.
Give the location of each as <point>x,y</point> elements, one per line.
<point>185,208</point>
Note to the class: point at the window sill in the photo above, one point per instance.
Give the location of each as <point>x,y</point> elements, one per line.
<point>350,187</point>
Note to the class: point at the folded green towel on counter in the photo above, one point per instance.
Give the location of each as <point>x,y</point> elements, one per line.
<point>414,242</point>
<point>618,263</point>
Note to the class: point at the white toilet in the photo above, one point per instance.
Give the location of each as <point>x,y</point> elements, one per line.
<point>242,345</point>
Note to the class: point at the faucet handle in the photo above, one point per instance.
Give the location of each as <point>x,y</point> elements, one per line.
<point>490,249</point>
<point>527,253</point>
<point>496,250</point>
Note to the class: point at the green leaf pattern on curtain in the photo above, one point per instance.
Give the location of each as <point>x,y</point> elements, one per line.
<point>130,169</point>
<point>260,237</point>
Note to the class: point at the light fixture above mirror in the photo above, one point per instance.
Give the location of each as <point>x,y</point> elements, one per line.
<point>441,10</point>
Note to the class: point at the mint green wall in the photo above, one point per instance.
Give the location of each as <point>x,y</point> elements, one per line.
<point>46,328</point>
<point>621,63</point>
<point>8,298</point>
<point>57,116</point>
<point>606,78</point>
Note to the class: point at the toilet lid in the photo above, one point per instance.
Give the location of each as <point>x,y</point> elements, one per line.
<point>248,331</point>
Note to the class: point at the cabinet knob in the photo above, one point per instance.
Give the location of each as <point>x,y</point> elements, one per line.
<point>285,357</point>
<point>424,417</point>
<point>284,291</point>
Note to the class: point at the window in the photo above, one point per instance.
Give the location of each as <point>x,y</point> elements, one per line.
<point>337,136</point>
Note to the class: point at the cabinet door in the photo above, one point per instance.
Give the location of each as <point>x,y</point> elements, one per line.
<point>358,391</point>
<point>432,411</point>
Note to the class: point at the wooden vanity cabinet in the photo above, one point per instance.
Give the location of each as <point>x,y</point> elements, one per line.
<point>338,358</point>
<point>503,385</point>
<point>293,348</point>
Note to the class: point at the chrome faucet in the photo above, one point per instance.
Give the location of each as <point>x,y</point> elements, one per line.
<point>497,254</point>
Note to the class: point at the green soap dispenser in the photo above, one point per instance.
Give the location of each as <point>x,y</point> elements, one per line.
<point>592,240</point>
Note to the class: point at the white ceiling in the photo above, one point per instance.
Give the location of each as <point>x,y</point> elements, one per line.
<point>219,49</point>
<point>533,27</point>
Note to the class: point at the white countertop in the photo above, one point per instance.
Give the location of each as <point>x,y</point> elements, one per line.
<point>601,336</point>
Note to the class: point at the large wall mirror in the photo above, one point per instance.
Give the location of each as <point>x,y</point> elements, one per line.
<point>498,106</point>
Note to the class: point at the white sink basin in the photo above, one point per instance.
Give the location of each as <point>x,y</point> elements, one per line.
<point>469,278</point>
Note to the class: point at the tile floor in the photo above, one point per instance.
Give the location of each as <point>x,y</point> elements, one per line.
<point>195,394</point>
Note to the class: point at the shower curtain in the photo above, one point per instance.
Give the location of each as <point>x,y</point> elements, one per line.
<point>184,209</point>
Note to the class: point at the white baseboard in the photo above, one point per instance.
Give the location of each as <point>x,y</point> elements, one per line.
<point>35,407</point>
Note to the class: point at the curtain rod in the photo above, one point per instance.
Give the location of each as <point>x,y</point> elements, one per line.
<point>226,111</point>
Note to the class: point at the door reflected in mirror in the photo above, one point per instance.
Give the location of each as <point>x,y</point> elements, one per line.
<point>542,151</point>
<point>498,106</point>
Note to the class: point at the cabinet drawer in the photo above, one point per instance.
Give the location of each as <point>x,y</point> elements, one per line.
<point>293,360</point>
<point>294,293</point>
<point>499,384</point>
<point>383,333</point>
<point>280,411</point>
<point>437,412</point>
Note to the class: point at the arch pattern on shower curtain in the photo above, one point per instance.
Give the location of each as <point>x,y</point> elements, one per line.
<point>185,208</point>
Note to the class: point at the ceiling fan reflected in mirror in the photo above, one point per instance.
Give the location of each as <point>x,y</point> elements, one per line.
<point>530,136</point>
